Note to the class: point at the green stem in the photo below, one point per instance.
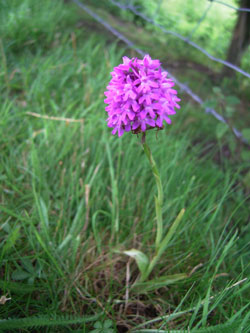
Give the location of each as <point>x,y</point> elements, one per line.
<point>159,198</point>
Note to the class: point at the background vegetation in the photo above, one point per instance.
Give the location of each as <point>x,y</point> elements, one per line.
<point>64,183</point>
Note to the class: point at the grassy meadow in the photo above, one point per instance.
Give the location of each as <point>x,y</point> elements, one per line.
<point>66,184</point>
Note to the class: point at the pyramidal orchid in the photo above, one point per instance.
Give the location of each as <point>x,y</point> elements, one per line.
<point>139,96</point>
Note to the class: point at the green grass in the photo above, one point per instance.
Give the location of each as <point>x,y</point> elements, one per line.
<point>65,184</point>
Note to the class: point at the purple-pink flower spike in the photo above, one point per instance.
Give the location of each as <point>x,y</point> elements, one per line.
<point>139,96</point>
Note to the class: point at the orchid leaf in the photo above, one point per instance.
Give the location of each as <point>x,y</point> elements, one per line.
<point>163,281</point>
<point>140,258</point>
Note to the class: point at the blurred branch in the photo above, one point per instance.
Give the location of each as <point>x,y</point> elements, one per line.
<point>67,120</point>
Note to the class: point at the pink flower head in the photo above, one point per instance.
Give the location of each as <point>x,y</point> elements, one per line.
<point>139,96</point>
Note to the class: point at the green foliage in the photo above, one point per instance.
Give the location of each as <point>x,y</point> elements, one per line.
<point>162,281</point>
<point>228,106</point>
<point>183,18</point>
<point>65,186</point>
<point>41,321</point>
<point>231,327</point>
<point>103,327</point>
<point>246,134</point>
<point>28,271</point>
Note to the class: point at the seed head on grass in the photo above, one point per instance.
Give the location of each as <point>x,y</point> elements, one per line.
<point>139,96</point>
